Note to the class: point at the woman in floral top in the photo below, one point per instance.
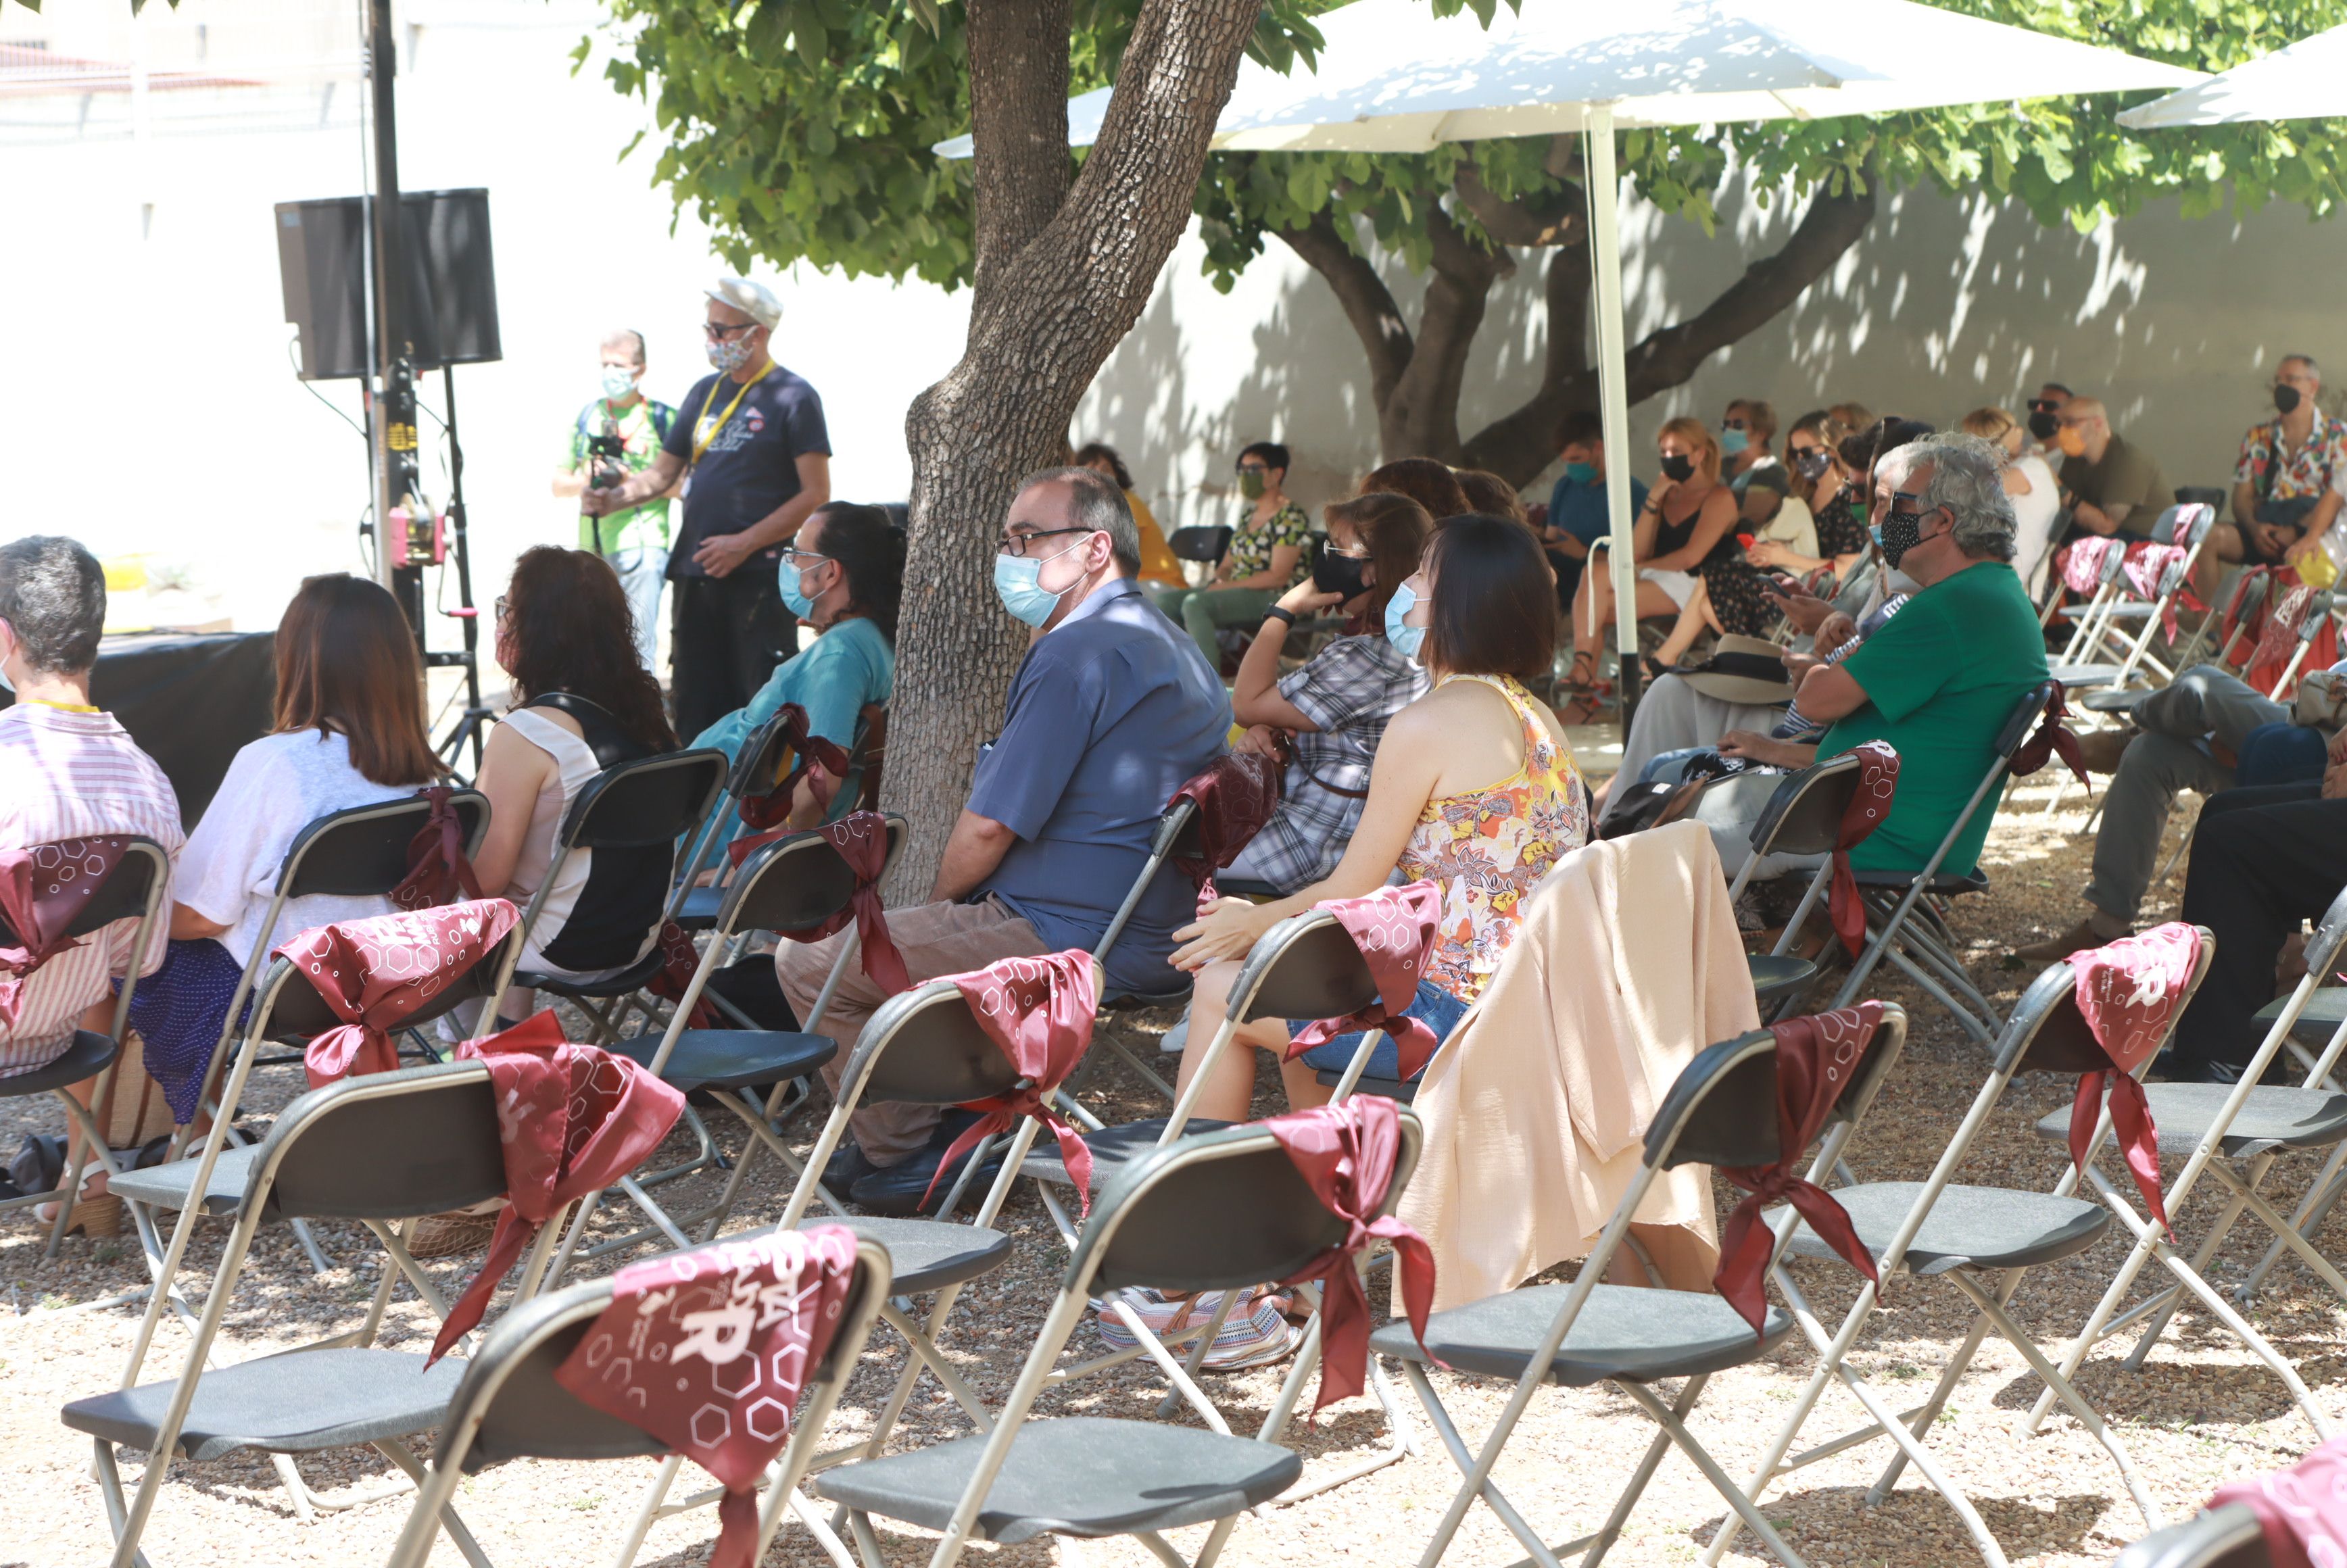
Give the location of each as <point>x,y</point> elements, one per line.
<point>1266,558</point>
<point>1474,789</point>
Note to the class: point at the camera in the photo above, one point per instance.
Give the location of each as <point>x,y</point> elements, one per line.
<point>605,461</point>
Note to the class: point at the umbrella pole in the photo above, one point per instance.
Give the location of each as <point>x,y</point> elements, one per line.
<point>1605,261</point>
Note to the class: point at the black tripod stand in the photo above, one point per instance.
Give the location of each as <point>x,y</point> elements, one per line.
<point>468,725</point>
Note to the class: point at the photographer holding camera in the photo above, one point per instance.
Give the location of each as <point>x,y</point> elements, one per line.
<point>620,434</point>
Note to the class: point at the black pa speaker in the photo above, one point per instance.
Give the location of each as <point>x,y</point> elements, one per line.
<point>451,284</point>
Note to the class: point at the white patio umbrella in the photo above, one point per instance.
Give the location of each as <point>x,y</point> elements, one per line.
<point>2307,80</point>
<point>1393,77</point>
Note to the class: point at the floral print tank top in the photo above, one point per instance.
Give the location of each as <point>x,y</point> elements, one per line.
<point>1487,848</point>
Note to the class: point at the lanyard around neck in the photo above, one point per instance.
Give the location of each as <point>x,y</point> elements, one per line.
<point>704,436</point>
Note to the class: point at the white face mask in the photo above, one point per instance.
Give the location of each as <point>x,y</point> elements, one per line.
<point>6,684</point>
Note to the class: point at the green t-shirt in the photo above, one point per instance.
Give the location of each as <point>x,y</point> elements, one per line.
<point>641,429</point>
<point>1940,679</point>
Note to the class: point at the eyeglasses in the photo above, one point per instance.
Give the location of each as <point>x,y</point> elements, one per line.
<point>1732,424</point>
<point>498,607</point>
<point>2045,406</point>
<point>721,330</point>
<point>1015,544</point>
<point>801,558</point>
<point>1255,469</point>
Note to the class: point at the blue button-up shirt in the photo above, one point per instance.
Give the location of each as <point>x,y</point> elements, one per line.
<point>1109,713</point>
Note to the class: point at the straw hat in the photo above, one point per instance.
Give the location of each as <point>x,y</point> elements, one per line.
<point>1746,670</point>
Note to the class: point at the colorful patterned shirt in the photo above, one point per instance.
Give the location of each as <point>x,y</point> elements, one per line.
<point>640,429</point>
<point>2319,464</point>
<point>1251,546</point>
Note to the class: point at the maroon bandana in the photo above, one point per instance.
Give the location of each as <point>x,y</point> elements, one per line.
<point>1039,1013</point>
<point>2129,990</point>
<point>437,869</point>
<point>377,972</point>
<point>1878,785</point>
<point>1815,1059</point>
<point>774,808</point>
<point>572,1119</point>
<point>2053,739</point>
<point>42,889</point>
<point>862,839</point>
<point>1346,1154</point>
<point>1234,797</point>
<point>2302,1510</point>
<point>708,1350</point>
<point>1395,927</point>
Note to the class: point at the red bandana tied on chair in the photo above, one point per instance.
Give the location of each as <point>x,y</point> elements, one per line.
<point>2128,992</point>
<point>1234,797</point>
<point>708,1350</point>
<point>2147,568</point>
<point>1346,1154</point>
<point>42,889</point>
<point>2083,561</point>
<point>2053,739</point>
<point>2302,1510</point>
<point>1878,785</point>
<point>1395,927</point>
<point>773,809</point>
<point>2278,643</point>
<point>862,839</point>
<point>1039,1012</point>
<point>572,1119</point>
<point>1815,1059</point>
<point>376,972</point>
<point>438,871</point>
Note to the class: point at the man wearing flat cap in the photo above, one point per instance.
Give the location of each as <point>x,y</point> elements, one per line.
<point>750,444</point>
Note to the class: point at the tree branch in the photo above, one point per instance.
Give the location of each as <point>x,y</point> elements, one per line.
<point>1019,124</point>
<point>1422,418</point>
<point>1367,304</point>
<point>1555,218</point>
<point>1520,444</point>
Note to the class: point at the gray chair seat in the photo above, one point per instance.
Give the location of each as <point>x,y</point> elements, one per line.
<point>1083,1475</point>
<point>2075,675</point>
<point>87,1057</point>
<point>2271,1118</point>
<point>1638,1336</point>
<point>2317,1023</point>
<point>166,1186</point>
<point>619,983</point>
<point>1943,882</point>
<point>2113,701</point>
<point>1776,977</point>
<point>929,1255</point>
<point>1988,1227</point>
<point>1112,1147</point>
<point>731,1058</point>
<point>300,1402</point>
<point>699,910</point>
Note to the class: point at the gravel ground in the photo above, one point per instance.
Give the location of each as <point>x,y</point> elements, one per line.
<point>2201,1412</point>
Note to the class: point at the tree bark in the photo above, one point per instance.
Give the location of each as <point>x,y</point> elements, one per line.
<point>1064,272</point>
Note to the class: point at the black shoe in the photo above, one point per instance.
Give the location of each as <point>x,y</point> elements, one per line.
<point>915,1186</point>
<point>847,1167</point>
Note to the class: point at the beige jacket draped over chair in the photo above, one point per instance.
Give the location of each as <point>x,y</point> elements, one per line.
<point>1628,963</point>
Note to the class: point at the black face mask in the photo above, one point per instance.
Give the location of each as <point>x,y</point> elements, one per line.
<point>1678,467</point>
<point>1811,462</point>
<point>1333,573</point>
<point>2286,398</point>
<point>2043,424</point>
<point>1902,531</point>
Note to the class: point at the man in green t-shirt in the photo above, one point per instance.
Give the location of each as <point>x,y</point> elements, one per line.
<point>1938,681</point>
<point>634,541</point>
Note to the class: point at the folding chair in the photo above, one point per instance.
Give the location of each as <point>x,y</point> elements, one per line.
<point>794,884</point>
<point>2091,620</point>
<point>2182,527</point>
<point>2227,1537</point>
<point>133,890</point>
<point>757,770</point>
<point>1983,1241</point>
<point>510,1406</point>
<point>1590,1332</point>
<point>1214,1211</point>
<point>2237,1133</point>
<point>392,1146</point>
<point>1902,918</point>
<point>1200,542</point>
<point>1803,817</point>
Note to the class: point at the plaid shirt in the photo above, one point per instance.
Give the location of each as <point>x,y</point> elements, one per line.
<point>1349,689</point>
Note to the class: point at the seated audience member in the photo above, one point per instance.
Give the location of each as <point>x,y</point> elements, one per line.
<point>582,702</point>
<point>1333,710</point>
<point>1489,494</point>
<point>1940,678</point>
<point>68,771</point>
<point>1111,712</point>
<point>1159,567</point>
<point>2112,486</point>
<point>1266,558</point>
<point>2045,421</point>
<point>1577,515</point>
<point>1688,516</point>
<point>1830,492</point>
<point>348,731</point>
<point>2286,484</point>
<point>1764,508</point>
<point>2035,495</point>
<point>1474,789</point>
<point>1747,436</point>
<point>2190,736</point>
<point>843,576</point>
<point>1430,484</point>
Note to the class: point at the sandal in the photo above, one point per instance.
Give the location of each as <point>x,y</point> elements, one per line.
<point>1577,683</point>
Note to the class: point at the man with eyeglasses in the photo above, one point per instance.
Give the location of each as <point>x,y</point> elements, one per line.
<point>1111,710</point>
<point>750,445</point>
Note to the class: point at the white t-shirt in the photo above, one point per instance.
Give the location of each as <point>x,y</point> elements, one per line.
<point>276,787</point>
<point>2032,534</point>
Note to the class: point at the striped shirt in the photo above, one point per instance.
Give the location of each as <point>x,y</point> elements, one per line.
<point>76,775</point>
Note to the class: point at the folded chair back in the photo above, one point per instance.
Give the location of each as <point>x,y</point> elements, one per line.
<point>390,1145</point>
<point>1708,1118</point>
<point>290,1009</point>
<point>2227,1537</point>
<point>2184,525</point>
<point>925,1046</point>
<point>1201,542</point>
<point>141,869</point>
<point>647,802</point>
<point>801,883</point>
<point>1306,967</point>
<point>362,851</point>
<point>1804,817</point>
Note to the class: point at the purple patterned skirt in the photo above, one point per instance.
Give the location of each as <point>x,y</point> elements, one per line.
<point>179,1011</point>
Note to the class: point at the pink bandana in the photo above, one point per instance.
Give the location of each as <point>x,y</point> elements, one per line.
<point>2302,1510</point>
<point>2147,566</point>
<point>708,1350</point>
<point>2084,561</point>
<point>1878,785</point>
<point>572,1119</point>
<point>1039,1013</point>
<point>1395,927</point>
<point>42,889</point>
<point>2128,992</point>
<point>377,971</point>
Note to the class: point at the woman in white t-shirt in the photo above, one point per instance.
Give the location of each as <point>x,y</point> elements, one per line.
<point>348,731</point>
<point>2031,485</point>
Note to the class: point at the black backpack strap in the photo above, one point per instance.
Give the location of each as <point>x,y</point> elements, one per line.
<point>601,732</point>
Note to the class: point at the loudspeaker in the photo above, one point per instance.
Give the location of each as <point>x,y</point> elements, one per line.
<point>451,283</point>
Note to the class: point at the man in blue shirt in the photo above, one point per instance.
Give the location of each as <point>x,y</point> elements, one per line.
<point>1576,508</point>
<point>1111,712</point>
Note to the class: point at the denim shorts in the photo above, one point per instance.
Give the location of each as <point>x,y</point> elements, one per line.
<point>1432,1006</point>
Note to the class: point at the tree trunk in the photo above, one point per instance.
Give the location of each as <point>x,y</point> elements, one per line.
<point>1062,273</point>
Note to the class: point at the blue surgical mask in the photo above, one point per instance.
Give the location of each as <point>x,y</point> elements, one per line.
<point>1581,472</point>
<point>795,599</point>
<point>1406,640</point>
<point>619,381</point>
<point>1734,441</point>
<point>1017,582</point>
